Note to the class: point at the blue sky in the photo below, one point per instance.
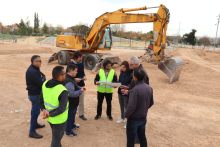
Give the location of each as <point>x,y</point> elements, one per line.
<point>190,14</point>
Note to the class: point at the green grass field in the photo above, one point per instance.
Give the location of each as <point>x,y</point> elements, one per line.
<point>8,36</point>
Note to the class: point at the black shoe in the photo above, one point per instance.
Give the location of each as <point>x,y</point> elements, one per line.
<point>83,117</point>
<point>35,135</point>
<point>97,117</point>
<point>137,141</point>
<point>110,118</point>
<point>40,126</point>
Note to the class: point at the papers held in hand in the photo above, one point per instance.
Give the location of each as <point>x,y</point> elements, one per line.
<point>110,83</point>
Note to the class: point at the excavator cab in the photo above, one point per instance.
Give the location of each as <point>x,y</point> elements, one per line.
<point>106,41</point>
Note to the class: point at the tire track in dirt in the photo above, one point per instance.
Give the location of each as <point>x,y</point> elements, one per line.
<point>191,55</point>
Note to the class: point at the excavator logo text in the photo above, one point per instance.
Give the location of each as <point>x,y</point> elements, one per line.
<point>62,42</point>
<point>125,18</point>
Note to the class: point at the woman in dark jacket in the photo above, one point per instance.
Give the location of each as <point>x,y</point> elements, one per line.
<point>125,79</point>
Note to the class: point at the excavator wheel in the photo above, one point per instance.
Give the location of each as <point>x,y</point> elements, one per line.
<point>90,61</point>
<point>68,60</point>
<point>97,56</point>
<point>63,58</point>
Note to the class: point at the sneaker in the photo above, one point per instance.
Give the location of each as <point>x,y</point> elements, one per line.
<point>121,121</point>
<point>97,117</point>
<point>125,126</point>
<point>72,135</point>
<point>110,118</point>
<point>83,117</point>
<point>76,128</point>
<point>35,135</point>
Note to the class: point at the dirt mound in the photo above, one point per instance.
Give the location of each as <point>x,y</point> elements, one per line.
<point>146,57</point>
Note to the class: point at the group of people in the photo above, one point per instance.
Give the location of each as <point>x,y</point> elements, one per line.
<point>59,98</point>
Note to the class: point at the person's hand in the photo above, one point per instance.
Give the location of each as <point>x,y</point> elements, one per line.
<point>124,92</point>
<point>85,78</point>
<point>114,86</point>
<point>77,80</point>
<point>97,83</point>
<point>45,114</point>
<point>83,89</point>
<point>123,87</point>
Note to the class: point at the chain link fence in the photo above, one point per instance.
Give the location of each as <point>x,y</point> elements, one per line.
<point>28,40</point>
<point>117,42</point>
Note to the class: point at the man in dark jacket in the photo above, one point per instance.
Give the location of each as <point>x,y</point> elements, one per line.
<point>34,82</point>
<point>140,100</point>
<point>80,78</point>
<point>134,64</point>
<point>74,92</point>
<point>54,104</point>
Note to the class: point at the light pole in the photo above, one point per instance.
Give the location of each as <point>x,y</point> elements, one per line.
<point>216,32</point>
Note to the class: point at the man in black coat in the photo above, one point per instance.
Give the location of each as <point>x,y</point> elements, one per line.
<point>140,100</point>
<point>34,82</point>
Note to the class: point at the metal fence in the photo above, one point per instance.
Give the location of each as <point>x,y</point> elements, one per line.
<point>117,42</point>
<point>129,43</point>
<point>28,40</point>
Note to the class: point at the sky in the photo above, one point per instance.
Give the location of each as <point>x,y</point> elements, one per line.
<point>185,15</point>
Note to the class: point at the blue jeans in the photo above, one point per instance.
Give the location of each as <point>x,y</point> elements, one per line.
<point>71,120</point>
<point>136,126</point>
<point>35,112</point>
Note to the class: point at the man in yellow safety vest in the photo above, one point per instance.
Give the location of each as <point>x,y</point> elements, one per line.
<point>54,104</point>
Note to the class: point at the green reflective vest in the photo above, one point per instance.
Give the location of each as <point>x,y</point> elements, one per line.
<point>51,102</point>
<point>103,88</point>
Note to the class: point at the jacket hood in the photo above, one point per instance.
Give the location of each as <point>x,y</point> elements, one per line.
<point>52,83</point>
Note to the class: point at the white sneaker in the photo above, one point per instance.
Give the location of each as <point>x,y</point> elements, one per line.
<point>125,126</point>
<point>121,121</point>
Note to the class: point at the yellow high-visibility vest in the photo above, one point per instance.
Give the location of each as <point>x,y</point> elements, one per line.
<point>103,88</point>
<point>51,102</point>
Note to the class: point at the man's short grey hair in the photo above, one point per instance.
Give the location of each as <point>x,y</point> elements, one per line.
<point>134,60</point>
<point>34,58</point>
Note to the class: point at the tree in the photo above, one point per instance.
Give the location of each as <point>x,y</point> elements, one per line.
<point>22,27</point>
<point>36,23</point>
<point>45,28</point>
<point>204,41</point>
<point>115,27</point>
<point>28,29</point>
<point>151,32</point>
<point>190,38</point>
<point>59,29</point>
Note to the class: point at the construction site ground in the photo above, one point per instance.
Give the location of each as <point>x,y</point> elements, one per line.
<point>185,113</point>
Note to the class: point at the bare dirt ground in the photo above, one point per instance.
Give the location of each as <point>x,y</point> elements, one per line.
<point>185,113</point>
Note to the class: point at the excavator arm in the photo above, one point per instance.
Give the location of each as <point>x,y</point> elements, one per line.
<point>171,66</point>
<point>159,19</point>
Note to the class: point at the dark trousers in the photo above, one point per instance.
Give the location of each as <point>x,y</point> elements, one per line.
<point>71,121</point>
<point>123,101</point>
<point>57,134</point>
<point>108,97</point>
<point>35,112</point>
<point>136,126</point>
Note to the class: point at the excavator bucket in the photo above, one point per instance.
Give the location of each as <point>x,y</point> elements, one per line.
<point>172,67</point>
<point>112,58</point>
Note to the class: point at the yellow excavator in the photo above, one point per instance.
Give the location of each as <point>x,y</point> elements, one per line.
<point>98,37</point>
